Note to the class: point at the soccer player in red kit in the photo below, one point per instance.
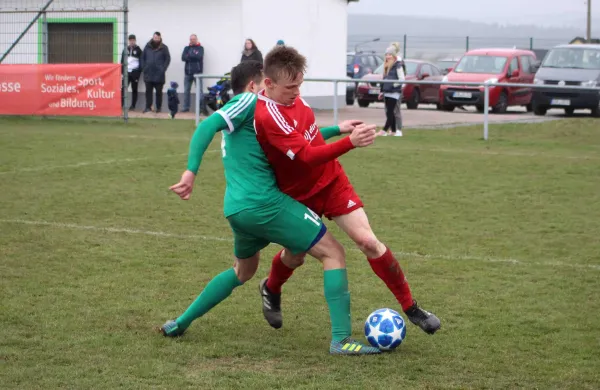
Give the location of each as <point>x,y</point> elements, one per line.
<point>285,125</point>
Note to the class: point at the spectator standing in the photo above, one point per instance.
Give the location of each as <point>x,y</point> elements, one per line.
<point>193,56</point>
<point>131,60</point>
<point>251,52</point>
<point>155,60</point>
<point>391,93</point>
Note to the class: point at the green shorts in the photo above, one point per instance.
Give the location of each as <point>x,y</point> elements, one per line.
<point>285,222</point>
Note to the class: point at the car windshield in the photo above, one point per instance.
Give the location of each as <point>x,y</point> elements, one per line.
<point>411,68</point>
<point>445,64</point>
<point>481,64</point>
<point>574,58</point>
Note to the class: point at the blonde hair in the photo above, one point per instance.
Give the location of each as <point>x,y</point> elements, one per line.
<point>387,65</point>
<point>393,49</point>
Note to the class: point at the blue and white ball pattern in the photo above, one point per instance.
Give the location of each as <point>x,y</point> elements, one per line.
<point>385,329</point>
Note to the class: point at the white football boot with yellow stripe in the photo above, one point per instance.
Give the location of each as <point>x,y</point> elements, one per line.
<point>349,346</point>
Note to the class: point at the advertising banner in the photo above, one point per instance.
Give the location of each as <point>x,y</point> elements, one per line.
<point>61,89</point>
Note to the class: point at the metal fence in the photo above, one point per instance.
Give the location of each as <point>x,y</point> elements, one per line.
<point>63,32</point>
<point>486,87</point>
<point>439,47</point>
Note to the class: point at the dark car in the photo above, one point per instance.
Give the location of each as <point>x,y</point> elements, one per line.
<point>569,65</point>
<point>359,64</point>
<point>413,94</point>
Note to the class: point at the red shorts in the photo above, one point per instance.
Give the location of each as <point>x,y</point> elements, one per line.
<point>338,198</point>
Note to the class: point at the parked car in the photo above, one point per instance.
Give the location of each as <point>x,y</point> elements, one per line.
<point>447,64</point>
<point>493,66</point>
<point>576,65</point>
<point>359,64</point>
<point>413,94</point>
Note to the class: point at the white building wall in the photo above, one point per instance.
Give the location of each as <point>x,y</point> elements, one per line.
<point>317,28</point>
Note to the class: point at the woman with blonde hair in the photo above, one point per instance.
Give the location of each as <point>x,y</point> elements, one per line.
<point>391,93</point>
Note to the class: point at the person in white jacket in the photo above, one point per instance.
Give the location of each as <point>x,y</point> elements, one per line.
<point>391,93</point>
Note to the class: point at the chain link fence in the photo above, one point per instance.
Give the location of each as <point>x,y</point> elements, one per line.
<point>439,47</point>
<point>62,31</point>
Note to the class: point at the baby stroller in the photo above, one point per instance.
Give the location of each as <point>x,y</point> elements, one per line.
<point>218,95</point>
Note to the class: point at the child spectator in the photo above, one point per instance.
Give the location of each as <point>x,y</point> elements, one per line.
<point>173,99</point>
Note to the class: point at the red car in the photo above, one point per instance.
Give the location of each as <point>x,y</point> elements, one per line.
<point>413,94</point>
<point>493,66</point>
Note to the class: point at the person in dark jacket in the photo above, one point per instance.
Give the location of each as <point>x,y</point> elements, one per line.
<point>132,64</point>
<point>173,99</point>
<point>193,56</point>
<point>391,93</point>
<point>251,52</point>
<point>156,60</point>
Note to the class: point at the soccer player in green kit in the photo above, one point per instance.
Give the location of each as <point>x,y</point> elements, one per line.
<point>260,214</point>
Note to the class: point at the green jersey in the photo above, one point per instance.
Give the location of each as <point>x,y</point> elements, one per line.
<point>249,177</point>
<point>250,181</point>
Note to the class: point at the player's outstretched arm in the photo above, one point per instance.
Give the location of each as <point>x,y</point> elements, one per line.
<point>361,136</point>
<point>203,136</point>
<point>296,147</point>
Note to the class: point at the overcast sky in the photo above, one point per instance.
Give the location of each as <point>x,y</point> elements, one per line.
<point>540,12</point>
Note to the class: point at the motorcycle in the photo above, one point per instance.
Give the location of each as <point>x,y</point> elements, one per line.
<point>218,94</point>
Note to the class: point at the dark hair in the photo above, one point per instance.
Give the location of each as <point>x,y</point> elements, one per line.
<point>253,44</point>
<point>245,72</point>
<point>284,61</point>
<point>157,33</point>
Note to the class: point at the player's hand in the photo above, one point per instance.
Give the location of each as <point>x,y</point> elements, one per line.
<point>185,186</point>
<point>380,97</point>
<point>363,135</point>
<point>348,126</point>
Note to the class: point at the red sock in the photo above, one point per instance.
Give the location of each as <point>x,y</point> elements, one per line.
<point>278,275</point>
<point>388,269</point>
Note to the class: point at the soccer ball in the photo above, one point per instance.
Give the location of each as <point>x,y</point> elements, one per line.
<point>385,329</point>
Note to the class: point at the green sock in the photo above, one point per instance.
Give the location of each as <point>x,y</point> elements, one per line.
<point>338,300</point>
<point>219,288</point>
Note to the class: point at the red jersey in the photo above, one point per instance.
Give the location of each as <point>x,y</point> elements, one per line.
<point>282,132</point>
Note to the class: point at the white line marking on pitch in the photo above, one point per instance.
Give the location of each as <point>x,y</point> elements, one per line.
<point>88,163</point>
<point>59,225</point>
<point>111,230</point>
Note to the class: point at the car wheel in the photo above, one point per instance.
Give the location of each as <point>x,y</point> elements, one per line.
<point>596,112</point>
<point>539,111</point>
<point>529,107</point>
<point>569,111</point>
<point>480,109</point>
<point>415,98</point>
<point>363,103</point>
<point>447,107</point>
<point>502,104</point>
<point>350,98</point>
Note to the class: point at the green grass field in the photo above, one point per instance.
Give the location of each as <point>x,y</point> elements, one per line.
<point>499,239</point>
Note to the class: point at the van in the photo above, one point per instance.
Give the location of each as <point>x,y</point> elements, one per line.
<point>493,66</point>
<point>569,65</point>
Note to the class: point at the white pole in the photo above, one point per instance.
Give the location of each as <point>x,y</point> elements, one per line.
<point>335,103</point>
<point>198,92</point>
